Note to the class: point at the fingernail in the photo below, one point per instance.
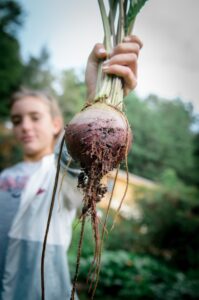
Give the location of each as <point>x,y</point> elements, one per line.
<point>101,51</point>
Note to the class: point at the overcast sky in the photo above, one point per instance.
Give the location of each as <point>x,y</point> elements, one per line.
<point>169,29</point>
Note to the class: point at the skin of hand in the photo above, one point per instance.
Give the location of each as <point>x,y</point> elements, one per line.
<point>122,61</point>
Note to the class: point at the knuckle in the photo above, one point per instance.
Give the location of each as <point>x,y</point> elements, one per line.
<point>120,47</point>
<point>137,40</point>
<point>128,72</point>
<point>133,57</point>
<point>134,83</point>
<point>137,47</point>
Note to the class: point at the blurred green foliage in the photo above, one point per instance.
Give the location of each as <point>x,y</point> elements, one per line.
<point>9,146</point>
<point>170,216</point>
<point>131,276</point>
<point>73,95</point>
<point>11,15</point>
<point>88,243</point>
<point>162,136</point>
<point>159,257</point>
<point>36,72</point>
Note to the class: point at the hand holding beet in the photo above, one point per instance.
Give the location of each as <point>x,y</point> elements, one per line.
<point>122,61</point>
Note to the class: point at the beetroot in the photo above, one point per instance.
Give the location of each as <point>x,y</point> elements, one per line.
<point>98,136</point>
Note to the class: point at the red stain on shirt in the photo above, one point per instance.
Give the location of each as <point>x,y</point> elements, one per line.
<point>40,191</point>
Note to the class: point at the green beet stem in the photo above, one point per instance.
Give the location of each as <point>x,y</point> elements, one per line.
<point>122,14</point>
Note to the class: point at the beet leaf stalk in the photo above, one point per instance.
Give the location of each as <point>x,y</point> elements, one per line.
<point>117,24</point>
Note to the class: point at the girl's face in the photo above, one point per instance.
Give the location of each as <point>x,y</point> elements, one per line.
<point>34,127</point>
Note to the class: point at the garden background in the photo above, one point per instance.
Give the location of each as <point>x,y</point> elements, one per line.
<point>154,255</point>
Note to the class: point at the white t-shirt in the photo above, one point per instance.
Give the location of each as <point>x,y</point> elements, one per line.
<point>25,196</point>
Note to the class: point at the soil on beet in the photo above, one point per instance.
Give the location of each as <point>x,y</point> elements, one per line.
<point>102,146</point>
<point>99,148</point>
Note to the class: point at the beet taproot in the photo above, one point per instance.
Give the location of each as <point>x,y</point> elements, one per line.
<point>99,135</point>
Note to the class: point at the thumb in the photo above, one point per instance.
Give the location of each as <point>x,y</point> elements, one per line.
<point>98,52</point>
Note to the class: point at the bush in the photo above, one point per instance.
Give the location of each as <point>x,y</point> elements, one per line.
<point>88,243</point>
<point>165,240</point>
<point>128,276</point>
<point>170,216</point>
<point>10,153</point>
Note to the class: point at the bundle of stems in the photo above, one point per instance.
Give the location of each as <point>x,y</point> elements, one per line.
<point>118,23</point>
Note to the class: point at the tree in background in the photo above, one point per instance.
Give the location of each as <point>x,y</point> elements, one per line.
<point>162,137</point>
<point>11,15</point>
<point>37,74</point>
<point>73,94</point>
<point>170,217</point>
<point>14,72</point>
<point>195,172</point>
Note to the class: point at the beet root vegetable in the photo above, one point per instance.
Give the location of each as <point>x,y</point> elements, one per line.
<point>98,136</point>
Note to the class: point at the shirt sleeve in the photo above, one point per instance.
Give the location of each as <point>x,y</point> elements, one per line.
<point>67,164</point>
<point>72,196</point>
